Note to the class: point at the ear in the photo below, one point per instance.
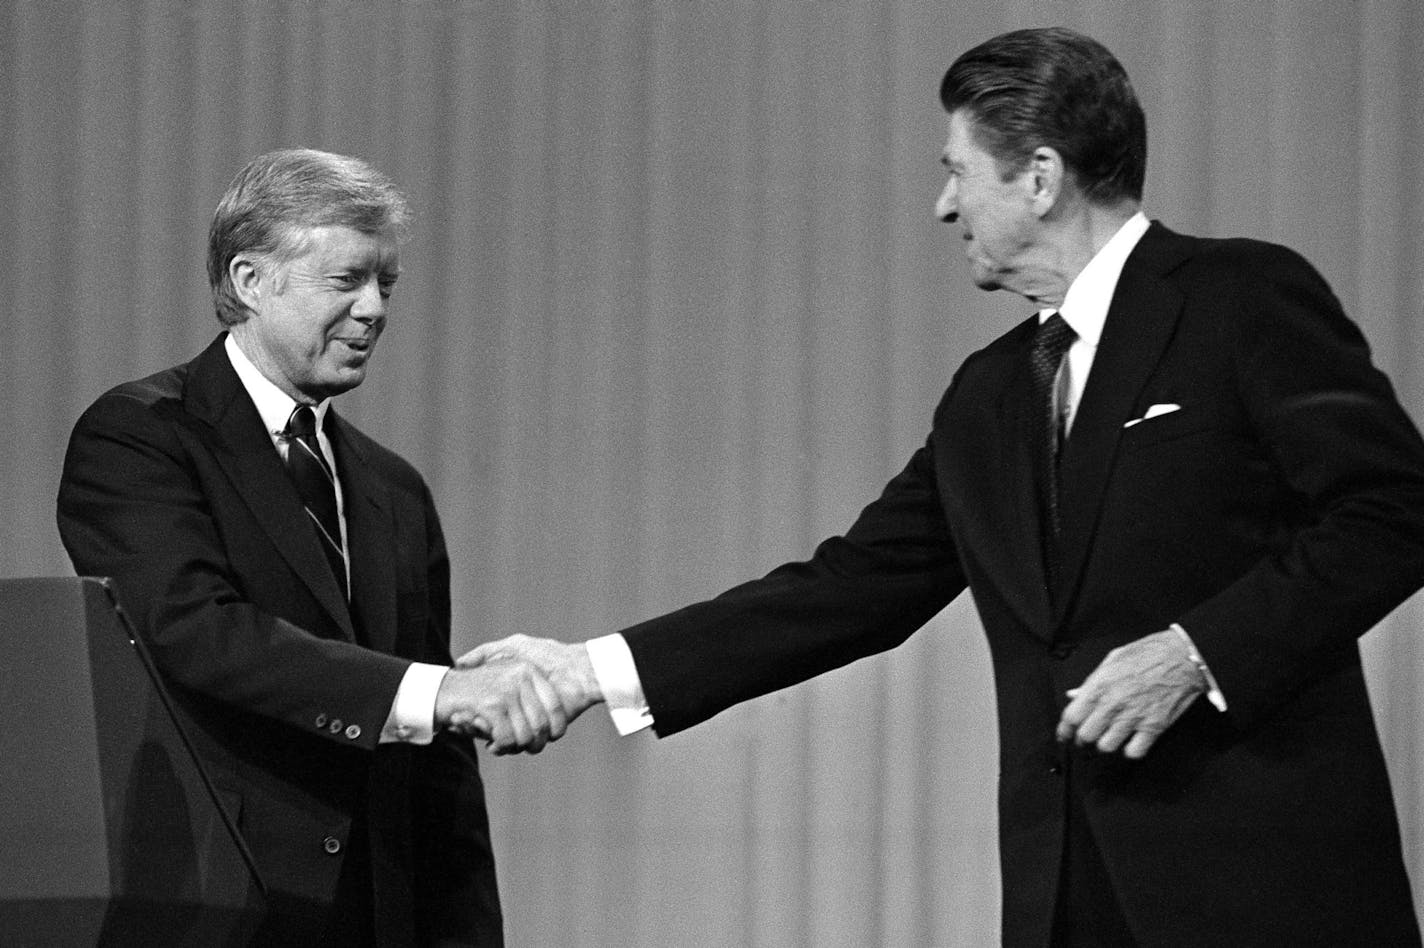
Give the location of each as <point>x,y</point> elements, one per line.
<point>248,280</point>
<point>1047,177</point>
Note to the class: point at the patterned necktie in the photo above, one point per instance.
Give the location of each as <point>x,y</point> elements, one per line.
<point>1052,340</point>
<point>316,485</point>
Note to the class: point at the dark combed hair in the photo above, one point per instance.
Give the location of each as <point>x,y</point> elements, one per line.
<point>278,196</point>
<point>1056,88</point>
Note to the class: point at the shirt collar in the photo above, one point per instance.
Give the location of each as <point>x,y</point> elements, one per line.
<point>274,405</point>
<point>1085,305</point>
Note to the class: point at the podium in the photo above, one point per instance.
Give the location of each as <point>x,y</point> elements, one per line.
<point>110,832</point>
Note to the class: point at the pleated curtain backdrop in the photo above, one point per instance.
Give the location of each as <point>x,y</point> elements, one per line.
<point>675,308</point>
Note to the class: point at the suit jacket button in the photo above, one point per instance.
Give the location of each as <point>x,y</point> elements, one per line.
<point>335,726</point>
<point>353,731</point>
<point>321,720</point>
<point>332,845</point>
<point>1062,650</point>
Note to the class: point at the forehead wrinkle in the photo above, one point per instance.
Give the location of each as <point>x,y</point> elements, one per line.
<point>365,253</point>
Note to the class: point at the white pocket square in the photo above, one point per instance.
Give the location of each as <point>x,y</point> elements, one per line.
<point>1154,412</point>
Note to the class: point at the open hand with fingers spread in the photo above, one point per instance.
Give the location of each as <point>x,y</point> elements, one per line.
<point>566,666</point>
<point>508,703</point>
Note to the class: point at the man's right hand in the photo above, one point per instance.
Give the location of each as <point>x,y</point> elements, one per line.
<point>509,704</point>
<point>565,665</point>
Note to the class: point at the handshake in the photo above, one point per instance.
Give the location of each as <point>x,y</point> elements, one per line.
<point>517,694</point>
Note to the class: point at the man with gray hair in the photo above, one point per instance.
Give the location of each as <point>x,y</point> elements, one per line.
<point>290,578</point>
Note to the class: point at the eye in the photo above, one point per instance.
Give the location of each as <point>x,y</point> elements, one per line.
<point>386,285</point>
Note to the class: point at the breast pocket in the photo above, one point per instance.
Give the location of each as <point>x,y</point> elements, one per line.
<point>1182,423</point>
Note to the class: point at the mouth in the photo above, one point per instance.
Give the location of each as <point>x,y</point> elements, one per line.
<point>361,345</point>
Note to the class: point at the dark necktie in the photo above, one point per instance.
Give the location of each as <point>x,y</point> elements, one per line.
<point>316,485</point>
<point>1052,340</point>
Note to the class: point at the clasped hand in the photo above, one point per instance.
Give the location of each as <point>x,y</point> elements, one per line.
<point>517,694</point>
<point>1136,693</point>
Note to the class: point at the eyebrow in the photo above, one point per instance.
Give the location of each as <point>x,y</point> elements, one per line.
<point>384,268</point>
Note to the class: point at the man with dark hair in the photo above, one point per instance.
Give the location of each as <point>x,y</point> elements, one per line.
<point>1179,493</point>
<point>1059,89</point>
<point>289,576</point>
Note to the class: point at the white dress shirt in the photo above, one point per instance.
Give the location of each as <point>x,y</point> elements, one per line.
<point>412,716</point>
<point>1085,309</point>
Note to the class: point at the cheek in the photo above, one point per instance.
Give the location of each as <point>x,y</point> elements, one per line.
<point>320,331</point>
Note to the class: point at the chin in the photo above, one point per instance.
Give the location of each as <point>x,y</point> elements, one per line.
<point>349,381</point>
<point>342,382</point>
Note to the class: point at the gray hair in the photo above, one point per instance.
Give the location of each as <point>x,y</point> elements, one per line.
<point>278,196</point>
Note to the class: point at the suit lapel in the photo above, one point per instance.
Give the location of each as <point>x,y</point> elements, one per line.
<point>1140,322</point>
<point>371,539</point>
<point>243,448</point>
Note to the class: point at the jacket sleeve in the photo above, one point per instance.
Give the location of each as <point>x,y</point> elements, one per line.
<point>859,594</point>
<point>1352,464</point>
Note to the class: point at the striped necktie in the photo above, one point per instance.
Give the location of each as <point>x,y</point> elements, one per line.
<point>317,487</point>
<point>1050,343</point>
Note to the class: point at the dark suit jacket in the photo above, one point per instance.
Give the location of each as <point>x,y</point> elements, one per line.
<point>172,487</point>
<point>1277,516</point>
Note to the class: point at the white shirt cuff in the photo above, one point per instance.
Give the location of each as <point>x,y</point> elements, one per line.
<point>617,676</point>
<point>412,717</point>
<point>1213,694</point>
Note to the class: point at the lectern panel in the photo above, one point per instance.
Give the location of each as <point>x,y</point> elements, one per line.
<point>110,833</point>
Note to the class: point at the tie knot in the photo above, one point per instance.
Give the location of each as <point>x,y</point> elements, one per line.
<point>1053,338</point>
<point>302,423</point>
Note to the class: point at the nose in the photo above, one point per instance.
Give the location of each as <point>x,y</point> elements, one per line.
<point>947,207</point>
<point>370,305</point>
